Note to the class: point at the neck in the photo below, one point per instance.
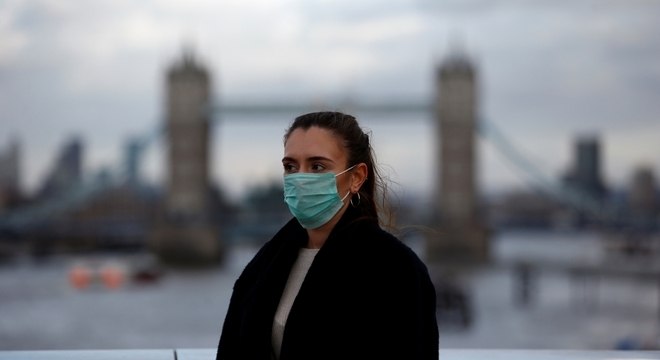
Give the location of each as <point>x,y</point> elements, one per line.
<point>317,237</point>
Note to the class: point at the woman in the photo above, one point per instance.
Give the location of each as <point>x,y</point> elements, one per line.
<point>331,284</point>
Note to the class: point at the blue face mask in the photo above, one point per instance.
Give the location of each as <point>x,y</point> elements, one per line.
<point>312,197</point>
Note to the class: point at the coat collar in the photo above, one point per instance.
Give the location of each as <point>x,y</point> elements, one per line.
<point>293,234</point>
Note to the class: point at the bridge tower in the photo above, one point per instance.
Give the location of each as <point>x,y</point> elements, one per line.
<point>461,236</point>
<point>186,232</point>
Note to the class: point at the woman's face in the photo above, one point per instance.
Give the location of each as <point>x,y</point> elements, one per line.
<point>316,150</point>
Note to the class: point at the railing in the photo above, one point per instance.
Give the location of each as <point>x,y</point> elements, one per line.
<point>209,354</point>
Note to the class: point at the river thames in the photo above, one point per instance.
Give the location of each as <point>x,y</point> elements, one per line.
<point>40,309</point>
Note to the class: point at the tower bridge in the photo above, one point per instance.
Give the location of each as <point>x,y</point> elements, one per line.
<point>186,228</point>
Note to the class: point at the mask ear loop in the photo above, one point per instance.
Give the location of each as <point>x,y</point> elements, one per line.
<point>358,202</point>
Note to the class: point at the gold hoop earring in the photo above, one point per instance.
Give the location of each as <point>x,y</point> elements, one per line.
<point>358,202</point>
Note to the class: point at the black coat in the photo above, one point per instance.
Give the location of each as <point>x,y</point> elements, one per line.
<point>366,296</point>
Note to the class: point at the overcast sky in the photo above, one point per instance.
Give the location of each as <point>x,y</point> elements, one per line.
<point>548,71</point>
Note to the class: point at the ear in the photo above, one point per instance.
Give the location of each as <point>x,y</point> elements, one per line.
<point>358,177</point>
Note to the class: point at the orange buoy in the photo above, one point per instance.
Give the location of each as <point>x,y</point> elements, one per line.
<point>112,276</point>
<point>80,276</point>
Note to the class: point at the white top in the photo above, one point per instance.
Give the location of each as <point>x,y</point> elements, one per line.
<point>296,277</point>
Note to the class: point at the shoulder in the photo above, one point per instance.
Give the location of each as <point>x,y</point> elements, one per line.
<point>289,236</point>
<point>375,243</point>
<point>370,234</point>
<point>386,267</point>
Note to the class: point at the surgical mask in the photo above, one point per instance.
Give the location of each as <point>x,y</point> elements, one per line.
<point>312,197</point>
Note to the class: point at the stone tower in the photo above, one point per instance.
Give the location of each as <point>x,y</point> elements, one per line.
<point>187,131</point>
<point>461,235</point>
<point>186,233</point>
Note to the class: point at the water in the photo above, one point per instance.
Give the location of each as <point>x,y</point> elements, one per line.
<point>40,310</point>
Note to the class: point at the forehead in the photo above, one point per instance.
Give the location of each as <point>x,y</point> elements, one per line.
<point>314,142</point>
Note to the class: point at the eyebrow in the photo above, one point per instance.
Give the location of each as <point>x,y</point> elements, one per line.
<point>312,158</point>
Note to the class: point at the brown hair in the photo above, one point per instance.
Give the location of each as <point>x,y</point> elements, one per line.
<point>356,143</point>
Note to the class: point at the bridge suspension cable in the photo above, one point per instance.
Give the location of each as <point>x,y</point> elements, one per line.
<point>540,181</point>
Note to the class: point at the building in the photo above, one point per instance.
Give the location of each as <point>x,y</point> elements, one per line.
<point>10,192</point>
<point>186,232</point>
<point>132,160</point>
<point>461,235</point>
<point>584,176</point>
<point>66,172</point>
<point>104,212</point>
<point>642,198</point>
<point>583,183</point>
<point>115,217</point>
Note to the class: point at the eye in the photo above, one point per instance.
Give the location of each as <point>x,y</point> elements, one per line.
<point>289,168</point>
<point>317,167</point>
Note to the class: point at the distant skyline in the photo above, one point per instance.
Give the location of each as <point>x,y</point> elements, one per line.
<point>549,71</point>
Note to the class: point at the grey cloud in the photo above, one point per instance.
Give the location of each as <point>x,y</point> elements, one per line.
<point>537,61</point>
